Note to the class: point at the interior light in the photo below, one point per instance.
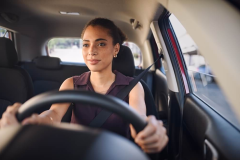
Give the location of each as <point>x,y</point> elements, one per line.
<point>70,13</point>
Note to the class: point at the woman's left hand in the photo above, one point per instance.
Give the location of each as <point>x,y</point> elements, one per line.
<point>153,138</point>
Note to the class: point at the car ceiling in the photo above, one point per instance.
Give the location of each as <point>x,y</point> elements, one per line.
<point>42,18</point>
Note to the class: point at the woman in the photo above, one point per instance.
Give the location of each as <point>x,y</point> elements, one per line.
<point>101,43</point>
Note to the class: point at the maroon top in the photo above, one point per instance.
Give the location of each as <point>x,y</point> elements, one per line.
<point>84,115</point>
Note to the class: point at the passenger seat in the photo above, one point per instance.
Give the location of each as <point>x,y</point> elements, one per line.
<point>42,72</point>
<point>15,83</point>
<point>48,73</point>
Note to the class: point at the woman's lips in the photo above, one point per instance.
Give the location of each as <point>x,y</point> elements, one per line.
<point>93,61</point>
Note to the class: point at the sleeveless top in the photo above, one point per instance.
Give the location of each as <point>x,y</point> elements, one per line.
<point>85,114</point>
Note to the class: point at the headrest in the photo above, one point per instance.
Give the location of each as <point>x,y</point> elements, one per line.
<point>8,54</point>
<point>45,62</point>
<point>124,62</point>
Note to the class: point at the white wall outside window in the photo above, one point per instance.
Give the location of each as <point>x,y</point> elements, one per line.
<point>70,50</point>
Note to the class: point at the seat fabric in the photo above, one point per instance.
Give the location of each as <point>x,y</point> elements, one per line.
<point>15,82</point>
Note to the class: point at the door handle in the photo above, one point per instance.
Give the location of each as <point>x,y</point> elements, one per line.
<point>210,153</point>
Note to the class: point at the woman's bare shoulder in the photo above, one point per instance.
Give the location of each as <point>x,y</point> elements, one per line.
<point>67,84</point>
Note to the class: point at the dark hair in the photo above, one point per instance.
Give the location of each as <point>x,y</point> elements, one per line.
<point>117,35</point>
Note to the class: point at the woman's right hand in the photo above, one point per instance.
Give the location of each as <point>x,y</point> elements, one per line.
<point>53,115</point>
<point>43,118</point>
<point>9,117</point>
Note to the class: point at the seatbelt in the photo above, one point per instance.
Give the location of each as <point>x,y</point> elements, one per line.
<point>103,115</point>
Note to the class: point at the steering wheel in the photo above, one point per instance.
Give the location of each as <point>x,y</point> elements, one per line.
<point>67,141</point>
<point>110,103</point>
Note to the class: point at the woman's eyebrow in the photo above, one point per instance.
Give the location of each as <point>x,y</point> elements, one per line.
<point>99,39</point>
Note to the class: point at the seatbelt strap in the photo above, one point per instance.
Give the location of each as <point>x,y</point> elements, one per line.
<point>103,115</point>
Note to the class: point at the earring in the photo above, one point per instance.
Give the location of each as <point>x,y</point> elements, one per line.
<point>115,56</point>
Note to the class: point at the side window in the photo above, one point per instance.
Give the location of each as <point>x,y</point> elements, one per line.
<point>4,32</point>
<point>70,50</point>
<point>137,55</point>
<point>203,81</point>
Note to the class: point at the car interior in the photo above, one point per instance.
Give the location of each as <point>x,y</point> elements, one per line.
<point>31,72</point>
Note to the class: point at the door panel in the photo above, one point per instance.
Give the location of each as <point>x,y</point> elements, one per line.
<point>203,133</point>
<point>200,123</point>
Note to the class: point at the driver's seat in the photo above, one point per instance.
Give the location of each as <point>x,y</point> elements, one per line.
<point>124,63</point>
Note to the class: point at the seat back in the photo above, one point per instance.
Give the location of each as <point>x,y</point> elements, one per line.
<point>15,82</point>
<point>48,74</point>
<point>124,63</point>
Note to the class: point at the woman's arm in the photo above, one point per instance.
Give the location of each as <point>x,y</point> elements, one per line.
<point>153,138</point>
<point>136,101</point>
<point>56,112</point>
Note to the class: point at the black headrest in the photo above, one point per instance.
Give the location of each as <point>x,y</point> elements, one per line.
<point>124,62</point>
<point>8,54</point>
<point>45,62</point>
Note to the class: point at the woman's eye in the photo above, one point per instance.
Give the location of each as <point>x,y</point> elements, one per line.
<point>102,44</point>
<point>85,45</point>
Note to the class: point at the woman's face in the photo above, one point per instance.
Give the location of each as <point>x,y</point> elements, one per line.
<point>98,49</point>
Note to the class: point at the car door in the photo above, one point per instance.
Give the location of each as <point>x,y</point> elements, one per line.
<point>202,124</point>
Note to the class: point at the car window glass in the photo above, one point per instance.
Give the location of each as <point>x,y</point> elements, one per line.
<point>67,49</point>
<point>204,83</point>
<point>70,50</point>
<point>4,32</point>
<point>137,55</point>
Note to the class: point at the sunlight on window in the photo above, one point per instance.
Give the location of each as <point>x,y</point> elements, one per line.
<point>70,50</point>
<point>3,32</point>
<point>67,49</point>
<point>137,55</point>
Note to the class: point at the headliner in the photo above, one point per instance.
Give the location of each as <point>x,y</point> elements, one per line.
<point>41,18</point>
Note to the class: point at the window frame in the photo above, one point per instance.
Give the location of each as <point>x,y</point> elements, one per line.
<point>164,25</point>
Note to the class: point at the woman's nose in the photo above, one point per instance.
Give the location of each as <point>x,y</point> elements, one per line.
<point>92,50</point>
